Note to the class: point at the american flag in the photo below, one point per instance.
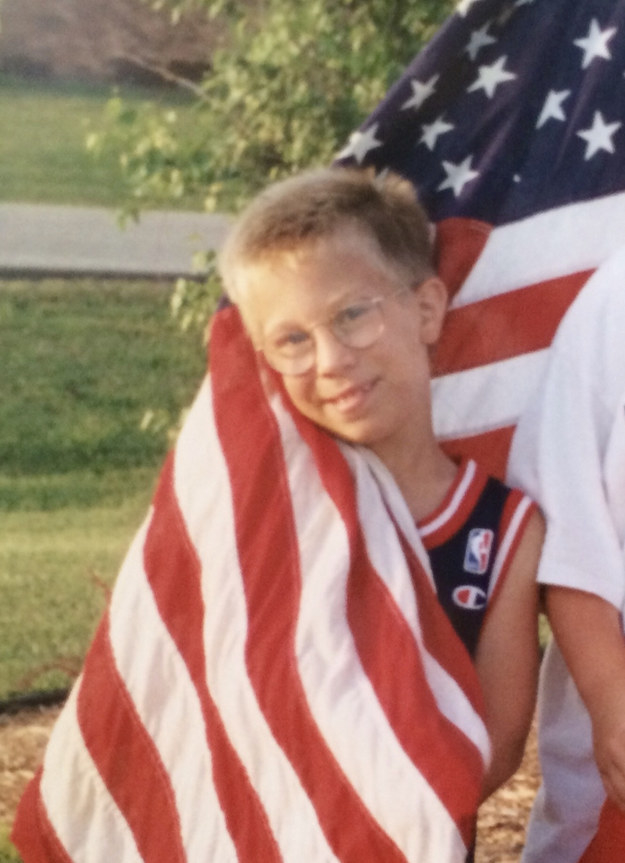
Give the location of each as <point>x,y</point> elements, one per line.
<point>274,679</point>
<point>511,125</point>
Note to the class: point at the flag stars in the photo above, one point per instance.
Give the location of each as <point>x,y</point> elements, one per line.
<point>489,77</point>
<point>430,132</point>
<point>552,109</point>
<point>479,39</point>
<point>420,92</point>
<point>360,143</point>
<point>599,136</point>
<point>457,176</point>
<point>595,44</point>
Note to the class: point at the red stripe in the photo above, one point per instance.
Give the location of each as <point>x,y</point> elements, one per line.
<point>126,756</point>
<point>270,562</point>
<point>489,449</point>
<point>505,325</point>
<point>608,844</point>
<point>459,243</point>
<point>447,759</point>
<point>514,500</point>
<point>33,835</point>
<point>168,550</point>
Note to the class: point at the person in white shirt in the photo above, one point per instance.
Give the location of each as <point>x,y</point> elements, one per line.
<point>568,453</point>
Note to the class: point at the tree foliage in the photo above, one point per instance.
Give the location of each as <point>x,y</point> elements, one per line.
<point>288,83</point>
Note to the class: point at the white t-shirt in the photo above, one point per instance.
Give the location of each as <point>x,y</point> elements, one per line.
<point>569,454</point>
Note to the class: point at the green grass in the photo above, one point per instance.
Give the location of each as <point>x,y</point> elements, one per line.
<point>8,854</point>
<point>55,571</point>
<point>43,154</point>
<point>82,362</point>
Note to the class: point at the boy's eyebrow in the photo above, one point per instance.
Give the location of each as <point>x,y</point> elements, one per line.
<point>283,326</point>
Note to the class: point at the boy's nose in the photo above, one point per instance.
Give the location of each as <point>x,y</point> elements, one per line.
<point>331,355</point>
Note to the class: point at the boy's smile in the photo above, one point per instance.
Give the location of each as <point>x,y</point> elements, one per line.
<point>376,395</point>
<point>351,399</point>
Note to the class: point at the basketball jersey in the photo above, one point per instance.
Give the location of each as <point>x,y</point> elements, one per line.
<point>470,540</point>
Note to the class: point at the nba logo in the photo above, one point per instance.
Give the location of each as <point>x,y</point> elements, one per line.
<point>477,553</point>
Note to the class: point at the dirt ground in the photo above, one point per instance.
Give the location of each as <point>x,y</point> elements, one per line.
<point>502,821</point>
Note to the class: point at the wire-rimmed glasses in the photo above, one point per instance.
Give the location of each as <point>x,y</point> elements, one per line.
<point>357,325</point>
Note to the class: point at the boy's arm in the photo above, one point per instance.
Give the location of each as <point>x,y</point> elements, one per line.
<point>508,658</point>
<point>590,636</point>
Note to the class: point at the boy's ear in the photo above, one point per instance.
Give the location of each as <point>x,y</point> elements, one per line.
<point>432,300</point>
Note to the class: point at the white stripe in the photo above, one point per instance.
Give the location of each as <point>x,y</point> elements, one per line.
<point>167,702</point>
<point>485,398</point>
<point>394,501</point>
<point>203,490</point>
<point>85,817</point>
<point>452,507</point>
<point>341,697</point>
<point>562,241</point>
<point>507,541</point>
<point>450,697</point>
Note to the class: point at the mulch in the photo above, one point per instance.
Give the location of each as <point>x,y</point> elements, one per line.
<point>501,826</point>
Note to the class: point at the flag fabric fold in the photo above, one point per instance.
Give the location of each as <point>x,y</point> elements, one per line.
<point>273,679</point>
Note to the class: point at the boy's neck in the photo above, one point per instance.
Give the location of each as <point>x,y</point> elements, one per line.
<point>424,479</point>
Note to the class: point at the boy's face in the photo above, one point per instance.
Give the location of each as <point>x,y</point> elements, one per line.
<point>378,395</point>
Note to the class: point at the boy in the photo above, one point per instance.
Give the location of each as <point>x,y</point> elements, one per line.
<point>291,688</point>
<point>333,276</point>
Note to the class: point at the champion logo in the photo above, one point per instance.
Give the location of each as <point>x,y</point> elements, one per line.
<point>469,596</point>
<point>477,552</point>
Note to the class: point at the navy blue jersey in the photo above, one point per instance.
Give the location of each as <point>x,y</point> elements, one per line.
<point>470,540</point>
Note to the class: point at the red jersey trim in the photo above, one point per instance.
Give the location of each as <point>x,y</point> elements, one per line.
<point>516,513</point>
<point>456,507</point>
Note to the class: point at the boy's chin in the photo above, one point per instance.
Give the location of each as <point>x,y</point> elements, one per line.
<point>356,437</point>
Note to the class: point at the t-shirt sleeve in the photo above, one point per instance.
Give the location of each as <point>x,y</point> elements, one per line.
<point>572,429</point>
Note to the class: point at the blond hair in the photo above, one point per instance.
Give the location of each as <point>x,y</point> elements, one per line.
<point>311,206</point>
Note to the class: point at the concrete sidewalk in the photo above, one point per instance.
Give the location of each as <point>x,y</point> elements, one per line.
<point>50,240</point>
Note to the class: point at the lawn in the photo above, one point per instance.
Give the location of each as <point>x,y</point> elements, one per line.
<point>83,362</point>
<point>8,853</point>
<point>43,153</point>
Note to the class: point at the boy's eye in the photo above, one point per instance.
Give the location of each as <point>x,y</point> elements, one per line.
<point>352,314</point>
<point>291,341</point>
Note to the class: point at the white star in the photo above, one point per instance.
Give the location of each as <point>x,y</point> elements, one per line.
<point>360,143</point>
<point>431,132</point>
<point>479,39</point>
<point>420,92</point>
<point>595,44</point>
<point>599,136</point>
<point>457,176</point>
<point>552,109</point>
<point>490,76</point>
<point>505,15</point>
<point>464,6</point>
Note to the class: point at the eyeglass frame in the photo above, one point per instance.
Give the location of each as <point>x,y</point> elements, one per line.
<point>330,324</point>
